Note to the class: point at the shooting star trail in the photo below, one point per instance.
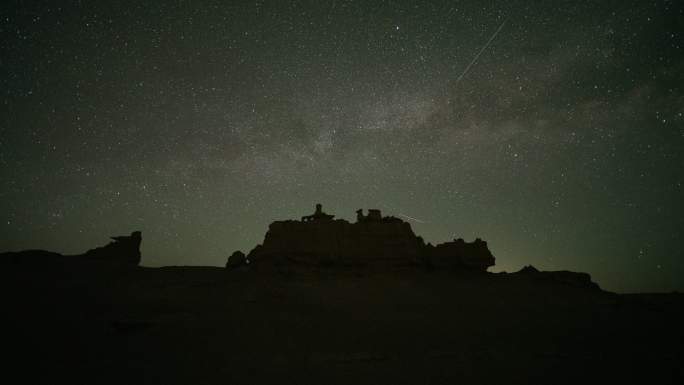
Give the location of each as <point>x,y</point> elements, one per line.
<point>465,72</point>
<point>411,218</point>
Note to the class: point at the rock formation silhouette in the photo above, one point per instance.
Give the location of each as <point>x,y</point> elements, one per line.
<point>461,254</point>
<point>571,278</point>
<point>320,240</point>
<point>236,259</point>
<point>83,319</point>
<point>122,251</point>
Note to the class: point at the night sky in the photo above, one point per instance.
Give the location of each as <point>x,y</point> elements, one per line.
<point>199,123</point>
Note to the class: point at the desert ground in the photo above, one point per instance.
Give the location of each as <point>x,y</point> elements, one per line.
<point>207,325</point>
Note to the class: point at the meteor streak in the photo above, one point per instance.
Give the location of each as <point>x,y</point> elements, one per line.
<point>465,72</point>
<point>411,218</point>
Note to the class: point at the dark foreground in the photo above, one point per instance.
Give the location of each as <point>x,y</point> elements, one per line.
<point>212,326</point>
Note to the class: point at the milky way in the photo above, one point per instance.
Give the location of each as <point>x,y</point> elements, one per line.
<point>199,123</point>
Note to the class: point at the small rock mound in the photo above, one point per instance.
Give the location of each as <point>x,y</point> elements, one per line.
<point>528,269</point>
<point>236,259</point>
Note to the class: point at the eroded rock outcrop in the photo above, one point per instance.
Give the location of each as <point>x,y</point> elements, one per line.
<point>461,254</point>
<point>122,251</point>
<point>562,276</point>
<point>318,239</point>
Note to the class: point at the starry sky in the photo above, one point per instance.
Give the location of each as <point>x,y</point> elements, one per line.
<point>200,122</point>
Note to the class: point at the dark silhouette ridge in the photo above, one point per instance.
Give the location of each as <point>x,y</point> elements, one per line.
<point>565,277</point>
<point>433,321</point>
<point>320,240</point>
<point>122,251</point>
